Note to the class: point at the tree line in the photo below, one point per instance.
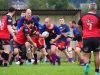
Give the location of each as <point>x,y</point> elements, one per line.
<point>51,4</point>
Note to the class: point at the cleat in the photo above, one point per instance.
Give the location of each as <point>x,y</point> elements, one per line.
<point>5,65</point>
<point>86,69</point>
<point>53,63</point>
<point>17,62</point>
<point>11,60</point>
<point>59,62</point>
<point>96,73</point>
<point>21,64</point>
<point>29,63</point>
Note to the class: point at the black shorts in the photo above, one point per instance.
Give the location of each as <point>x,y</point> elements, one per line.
<point>91,44</point>
<point>4,42</point>
<point>48,45</point>
<point>22,47</point>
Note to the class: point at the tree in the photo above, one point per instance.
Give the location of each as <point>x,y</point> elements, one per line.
<point>37,4</point>
<point>84,8</point>
<point>5,4</point>
<point>71,6</point>
<point>58,4</point>
<point>98,5</point>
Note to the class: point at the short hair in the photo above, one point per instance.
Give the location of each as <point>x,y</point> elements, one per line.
<point>61,18</point>
<point>92,6</point>
<point>73,21</point>
<point>29,22</point>
<point>11,9</point>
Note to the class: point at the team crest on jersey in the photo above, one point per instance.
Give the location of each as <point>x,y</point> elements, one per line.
<point>9,20</point>
<point>60,27</point>
<point>26,29</point>
<point>89,21</point>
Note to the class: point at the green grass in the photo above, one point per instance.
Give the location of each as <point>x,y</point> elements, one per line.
<point>46,69</point>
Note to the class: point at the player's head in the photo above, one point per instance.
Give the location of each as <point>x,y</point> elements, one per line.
<point>29,23</point>
<point>48,22</point>
<point>72,23</point>
<point>23,13</point>
<point>62,21</point>
<point>92,7</point>
<point>11,10</point>
<point>28,13</point>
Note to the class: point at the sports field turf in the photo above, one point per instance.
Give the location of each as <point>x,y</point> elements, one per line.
<point>46,69</point>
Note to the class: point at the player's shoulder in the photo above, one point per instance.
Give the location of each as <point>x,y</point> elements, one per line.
<point>90,13</point>
<point>8,16</point>
<point>21,18</point>
<point>55,25</point>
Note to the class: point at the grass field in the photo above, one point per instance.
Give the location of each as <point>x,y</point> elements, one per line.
<point>46,69</point>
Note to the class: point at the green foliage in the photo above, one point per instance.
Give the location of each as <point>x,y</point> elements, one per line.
<point>37,4</point>
<point>59,4</point>
<point>48,4</point>
<point>71,6</point>
<point>77,2</point>
<point>5,4</point>
<point>98,4</point>
<point>46,69</point>
<point>84,8</point>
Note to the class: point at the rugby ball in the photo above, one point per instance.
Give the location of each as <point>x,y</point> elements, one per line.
<point>45,33</point>
<point>69,49</point>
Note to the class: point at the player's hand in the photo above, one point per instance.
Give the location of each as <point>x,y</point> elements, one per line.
<point>52,41</point>
<point>34,44</point>
<point>65,34</point>
<point>69,39</point>
<point>37,33</point>
<point>44,36</point>
<point>14,38</point>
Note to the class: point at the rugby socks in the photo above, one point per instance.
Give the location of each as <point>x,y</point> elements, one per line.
<point>81,61</point>
<point>41,58</point>
<point>29,60</point>
<point>17,58</point>
<point>20,54</point>
<point>54,59</point>
<point>6,56</point>
<point>1,59</point>
<point>48,56</point>
<point>70,59</point>
<point>58,58</point>
<point>35,58</point>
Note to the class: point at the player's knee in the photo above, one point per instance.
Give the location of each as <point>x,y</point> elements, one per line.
<point>16,51</point>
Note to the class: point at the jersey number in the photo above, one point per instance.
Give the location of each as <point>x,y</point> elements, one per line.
<point>1,25</point>
<point>90,26</point>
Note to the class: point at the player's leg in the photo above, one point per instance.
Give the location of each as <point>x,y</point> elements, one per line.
<point>1,55</point>
<point>6,46</point>
<point>96,49</point>
<point>43,50</point>
<point>11,50</point>
<point>29,54</point>
<point>70,51</point>
<point>54,56</point>
<point>23,56</point>
<point>78,52</point>
<point>87,47</point>
<point>15,52</point>
<point>99,60</point>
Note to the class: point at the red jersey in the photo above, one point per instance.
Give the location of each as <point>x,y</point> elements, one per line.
<point>91,24</point>
<point>5,20</point>
<point>21,35</point>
